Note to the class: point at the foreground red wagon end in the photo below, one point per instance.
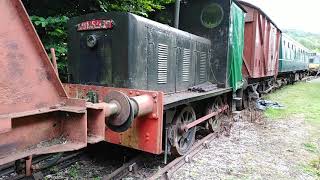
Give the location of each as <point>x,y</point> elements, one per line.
<point>36,116</point>
<point>261,47</point>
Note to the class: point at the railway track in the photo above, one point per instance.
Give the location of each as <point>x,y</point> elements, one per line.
<point>137,163</point>
<point>167,171</point>
<point>41,166</point>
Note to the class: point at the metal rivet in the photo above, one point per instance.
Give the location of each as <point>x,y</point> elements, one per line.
<point>137,93</point>
<point>154,116</point>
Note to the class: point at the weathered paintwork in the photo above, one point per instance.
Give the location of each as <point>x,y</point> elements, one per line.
<point>136,53</point>
<point>36,116</point>
<point>146,131</point>
<point>261,47</point>
<point>224,68</point>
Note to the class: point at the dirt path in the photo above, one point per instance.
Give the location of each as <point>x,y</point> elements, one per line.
<point>271,150</point>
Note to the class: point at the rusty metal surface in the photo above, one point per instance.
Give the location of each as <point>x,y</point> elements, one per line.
<point>124,103</point>
<point>35,114</point>
<point>262,41</point>
<point>145,133</point>
<point>27,79</point>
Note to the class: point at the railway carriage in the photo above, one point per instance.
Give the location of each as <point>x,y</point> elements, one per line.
<point>293,60</point>
<point>261,51</point>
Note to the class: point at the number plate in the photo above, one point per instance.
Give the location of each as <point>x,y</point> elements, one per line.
<point>95,24</point>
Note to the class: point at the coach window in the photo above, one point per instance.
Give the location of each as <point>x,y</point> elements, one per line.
<point>212,15</point>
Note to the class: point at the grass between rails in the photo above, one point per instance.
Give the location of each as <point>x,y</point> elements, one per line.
<point>301,100</point>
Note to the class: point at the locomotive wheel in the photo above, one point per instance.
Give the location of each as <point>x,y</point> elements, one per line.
<point>214,123</point>
<point>183,141</point>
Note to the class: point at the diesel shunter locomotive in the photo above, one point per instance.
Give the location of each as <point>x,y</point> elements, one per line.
<point>193,72</point>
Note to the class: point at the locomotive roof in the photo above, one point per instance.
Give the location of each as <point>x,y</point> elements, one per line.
<point>296,43</point>
<point>167,27</point>
<point>261,12</point>
<point>147,21</point>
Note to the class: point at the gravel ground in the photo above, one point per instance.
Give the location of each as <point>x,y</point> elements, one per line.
<point>98,161</point>
<point>84,169</point>
<point>264,150</point>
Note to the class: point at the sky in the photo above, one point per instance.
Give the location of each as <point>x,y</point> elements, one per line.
<point>292,14</point>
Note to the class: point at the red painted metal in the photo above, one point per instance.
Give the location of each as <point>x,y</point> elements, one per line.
<point>36,116</point>
<point>144,104</point>
<point>28,166</point>
<point>54,60</point>
<point>261,46</point>
<point>145,133</point>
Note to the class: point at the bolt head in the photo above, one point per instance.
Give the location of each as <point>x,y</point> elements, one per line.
<point>154,116</point>
<point>154,95</point>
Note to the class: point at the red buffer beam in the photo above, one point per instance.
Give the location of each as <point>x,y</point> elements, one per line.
<point>127,117</point>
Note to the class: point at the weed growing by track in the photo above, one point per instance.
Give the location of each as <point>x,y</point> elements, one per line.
<point>73,172</point>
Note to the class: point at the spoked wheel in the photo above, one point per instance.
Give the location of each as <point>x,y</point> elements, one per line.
<point>214,123</point>
<point>183,140</point>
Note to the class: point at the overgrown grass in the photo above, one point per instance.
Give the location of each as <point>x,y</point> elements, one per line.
<point>313,167</point>
<point>301,99</point>
<point>311,147</point>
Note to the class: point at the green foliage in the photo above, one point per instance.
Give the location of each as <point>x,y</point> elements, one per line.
<point>140,7</point>
<point>313,167</point>
<point>309,40</point>
<point>73,171</point>
<point>52,31</point>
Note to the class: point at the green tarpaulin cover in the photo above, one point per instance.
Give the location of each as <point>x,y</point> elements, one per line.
<point>236,45</point>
